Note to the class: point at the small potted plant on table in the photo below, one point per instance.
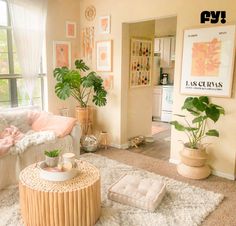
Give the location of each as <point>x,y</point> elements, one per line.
<point>194,156</point>
<point>52,157</point>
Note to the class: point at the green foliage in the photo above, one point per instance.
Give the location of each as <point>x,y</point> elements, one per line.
<point>52,153</point>
<point>202,110</point>
<point>73,83</point>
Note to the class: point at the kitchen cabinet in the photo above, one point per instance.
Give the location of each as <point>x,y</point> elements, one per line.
<point>156,105</point>
<point>165,46</point>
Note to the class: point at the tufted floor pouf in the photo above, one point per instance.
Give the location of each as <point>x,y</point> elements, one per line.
<point>138,192</point>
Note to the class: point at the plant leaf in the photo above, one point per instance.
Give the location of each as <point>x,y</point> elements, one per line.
<point>199,105</point>
<point>204,99</point>
<point>213,113</point>
<point>178,126</point>
<point>80,64</point>
<point>62,90</point>
<point>198,119</point>
<point>193,112</point>
<point>188,104</point>
<point>212,132</point>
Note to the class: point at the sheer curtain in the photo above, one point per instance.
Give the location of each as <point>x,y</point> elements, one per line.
<point>28,24</point>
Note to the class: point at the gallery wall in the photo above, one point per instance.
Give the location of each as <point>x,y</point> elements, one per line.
<point>114,116</point>
<point>60,11</point>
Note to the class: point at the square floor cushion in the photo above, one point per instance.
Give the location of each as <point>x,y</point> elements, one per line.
<point>144,193</point>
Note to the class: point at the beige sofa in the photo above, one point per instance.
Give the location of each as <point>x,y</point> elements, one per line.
<point>14,161</point>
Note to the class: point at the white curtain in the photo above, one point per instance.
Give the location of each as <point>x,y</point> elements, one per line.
<point>28,23</point>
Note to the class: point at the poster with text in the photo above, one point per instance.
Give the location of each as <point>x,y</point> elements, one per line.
<point>208,61</point>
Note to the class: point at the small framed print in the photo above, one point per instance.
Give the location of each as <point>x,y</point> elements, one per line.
<point>61,54</point>
<point>104,55</point>
<point>70,29</point>
<point>105,24</point>
<point>107,82</point>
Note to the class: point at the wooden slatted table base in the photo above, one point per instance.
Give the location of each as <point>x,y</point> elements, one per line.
<point>76,202</point>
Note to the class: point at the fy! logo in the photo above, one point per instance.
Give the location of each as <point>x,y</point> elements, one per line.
<point>213,17</point>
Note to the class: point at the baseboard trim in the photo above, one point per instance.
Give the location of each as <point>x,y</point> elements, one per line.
<point>174,161</point>
<point>214,172</point>
<point>224,175</point>
<point>120,146</point>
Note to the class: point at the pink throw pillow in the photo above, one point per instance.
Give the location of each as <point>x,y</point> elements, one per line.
<point>61,125</point>
<point>32,116</point>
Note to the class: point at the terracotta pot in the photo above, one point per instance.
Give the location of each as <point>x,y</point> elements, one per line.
<point>193,157</point>
<point>84,115</point>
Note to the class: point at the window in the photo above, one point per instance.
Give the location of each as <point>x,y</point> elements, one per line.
<point>12,91</point>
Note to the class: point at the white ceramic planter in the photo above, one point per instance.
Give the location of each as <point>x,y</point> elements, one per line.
<point>51,161</point>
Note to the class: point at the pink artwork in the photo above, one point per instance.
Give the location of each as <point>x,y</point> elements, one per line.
<point>206,58</point>
<point>107,82</point>
<point>62,52</point>
<point>70,29</point>
<point>104,24</point>
<point>104,55</point>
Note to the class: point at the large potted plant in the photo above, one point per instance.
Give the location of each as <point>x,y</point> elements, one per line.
<point>83,87</point>
<point>194,156</point>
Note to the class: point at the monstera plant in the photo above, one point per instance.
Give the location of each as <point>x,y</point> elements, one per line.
<point>194,156</point>
<point>83,85</point>
<point>71,82</point>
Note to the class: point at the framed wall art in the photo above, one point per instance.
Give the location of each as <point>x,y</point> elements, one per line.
<point>208,61</point>
<point>107,82</point>
<point>70,29</point>
<point>141,52</point>
<point>61,54</point>
<point>104,24</point>
<point>104,55</point>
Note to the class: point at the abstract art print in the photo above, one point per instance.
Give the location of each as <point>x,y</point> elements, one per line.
<point>70,29</point>
<point>107,82</point>
<point>104,24</point>
<point>104,55</point>
<point>61,54</point>
<point>208,60</point>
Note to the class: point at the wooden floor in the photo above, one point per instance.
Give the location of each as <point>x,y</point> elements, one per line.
<point>160,148</point>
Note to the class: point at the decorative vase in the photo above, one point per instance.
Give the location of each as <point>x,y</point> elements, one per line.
<point>89,143</point>
<point>51,161</point>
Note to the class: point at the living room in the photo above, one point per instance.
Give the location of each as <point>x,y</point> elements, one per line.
<point>75,29</point>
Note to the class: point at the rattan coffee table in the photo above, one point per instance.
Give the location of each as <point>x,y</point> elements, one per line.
<point>76,202</point>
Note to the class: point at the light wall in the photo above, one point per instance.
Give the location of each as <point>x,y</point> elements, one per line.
<point>138,106</point>
<point>114,116</point>
<point>60,11</point>
<point>165,27</point>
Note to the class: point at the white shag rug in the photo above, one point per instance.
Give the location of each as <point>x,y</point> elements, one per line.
<point>183,205</point>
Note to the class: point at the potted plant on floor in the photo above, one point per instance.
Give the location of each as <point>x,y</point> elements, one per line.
<point>83,87</point>
<point>52,157</point>
<point>194,156</point>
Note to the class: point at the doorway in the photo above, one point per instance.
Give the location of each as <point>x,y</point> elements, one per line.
<point>163,75</point>
<point>139,103</point>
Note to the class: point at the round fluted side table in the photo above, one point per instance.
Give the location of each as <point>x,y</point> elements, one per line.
<point>76,202</point>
